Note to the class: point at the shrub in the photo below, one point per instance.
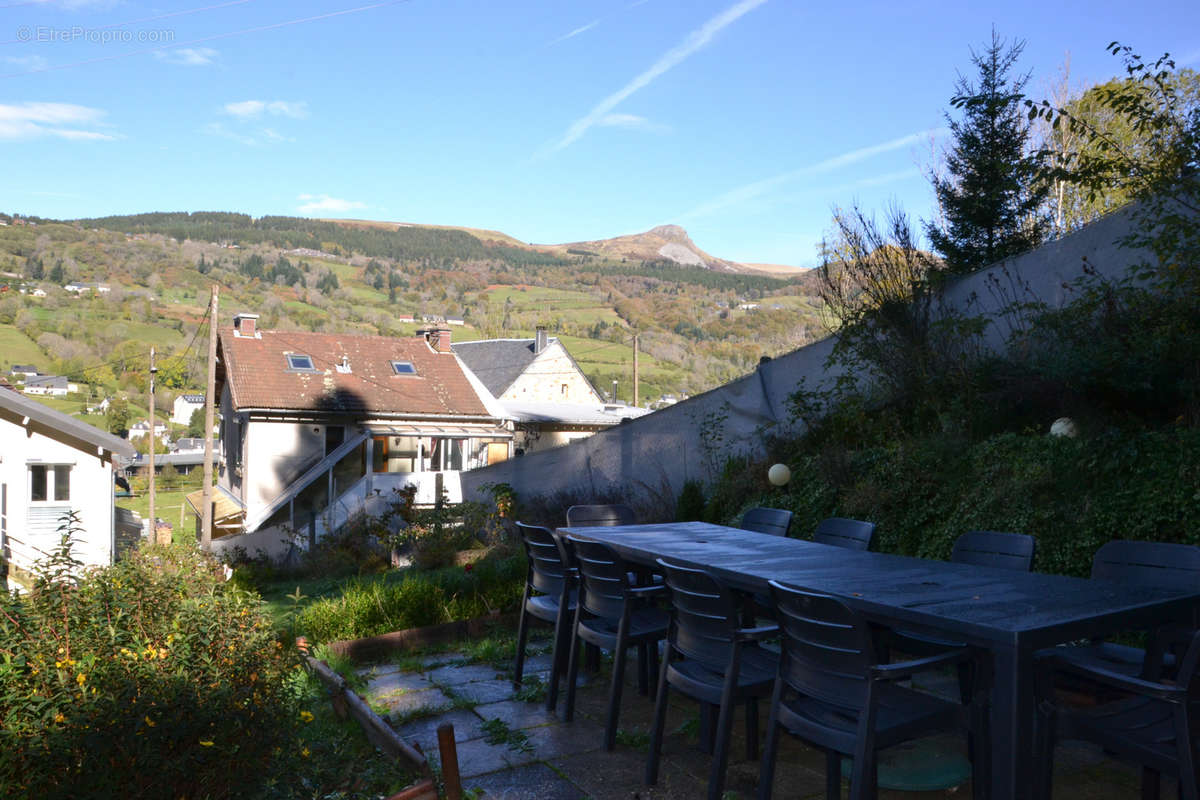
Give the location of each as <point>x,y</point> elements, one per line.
<point>690,505</point>
<point>149,678</point>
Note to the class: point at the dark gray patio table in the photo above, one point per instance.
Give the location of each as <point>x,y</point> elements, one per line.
<point>1009,614</point>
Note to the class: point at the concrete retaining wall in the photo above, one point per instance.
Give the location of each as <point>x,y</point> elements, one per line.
<point>651,457</point>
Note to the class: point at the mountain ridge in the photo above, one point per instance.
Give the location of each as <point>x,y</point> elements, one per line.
<point>662,243</point>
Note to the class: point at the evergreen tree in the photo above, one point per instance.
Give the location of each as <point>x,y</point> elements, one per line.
<point>56,272</point>
<point>990,200</point>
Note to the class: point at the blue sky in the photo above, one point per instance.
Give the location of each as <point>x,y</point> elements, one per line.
<point>745,121</point>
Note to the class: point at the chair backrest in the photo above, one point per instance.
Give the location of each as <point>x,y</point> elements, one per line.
<point>849,533</point>
<point>827,649</point>
<point>603,579</point>
<point>1175,566</point>
<point>994,549</point>
<point>775,521</point>
<point>704,615</point>
<point>1188,675</point>
<point>600,516</point>
<point>546,557</point>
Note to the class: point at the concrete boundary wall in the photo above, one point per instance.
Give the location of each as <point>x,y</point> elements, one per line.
<point>651,457</point>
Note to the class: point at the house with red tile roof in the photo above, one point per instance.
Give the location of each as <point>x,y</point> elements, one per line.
<point>317,427</point>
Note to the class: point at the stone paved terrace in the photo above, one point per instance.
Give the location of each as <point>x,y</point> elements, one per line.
<point>532,754</point>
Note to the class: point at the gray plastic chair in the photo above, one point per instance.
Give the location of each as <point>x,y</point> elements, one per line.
<point>833,693</point>
<point>851,534</point>
<point>773,521</point>
<point>995,549</point>
<point>597,516</point>
<point>1175,566</point>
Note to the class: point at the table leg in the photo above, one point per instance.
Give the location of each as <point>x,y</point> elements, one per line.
<point>1012,724</point>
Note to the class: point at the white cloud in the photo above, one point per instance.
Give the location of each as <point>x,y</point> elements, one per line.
<point>574,33</point>
<point>632,122</point>
<point>315,203</point>
<point>28,63</point>
<point>750,191</point>
<point>219,129</point>
<point>696,40</point>
<point>64,120</point>
<point>248,109</point>
<point>188,56</point>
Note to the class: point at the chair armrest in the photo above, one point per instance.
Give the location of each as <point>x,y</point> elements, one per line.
<point>906,669</point>
<point>757,634</point>
<point>647,591</point>
<point>1162,691</point>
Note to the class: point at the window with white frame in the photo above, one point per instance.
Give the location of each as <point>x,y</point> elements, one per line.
<point>49,483</point>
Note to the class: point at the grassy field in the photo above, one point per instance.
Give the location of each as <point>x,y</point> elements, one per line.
<point>537,305</point>
<point>167,505</point>
<point>17,348</point>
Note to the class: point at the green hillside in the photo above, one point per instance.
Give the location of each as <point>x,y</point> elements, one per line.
<point>359,277</point>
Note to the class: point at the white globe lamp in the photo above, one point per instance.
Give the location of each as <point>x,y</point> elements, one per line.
<point>779,475</point>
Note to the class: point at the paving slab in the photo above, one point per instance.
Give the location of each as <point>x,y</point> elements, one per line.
<point>477,757</point>
<point>618,776</point>
<point>516,714</point>
<point>467,725</point>
<point>395,682</point>
<point>561,740</point>
<point>529,782</point>
<point>489,691</point>
<point>454,674</point>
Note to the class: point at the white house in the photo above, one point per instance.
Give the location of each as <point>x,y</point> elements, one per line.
<point>185,406</point>
<point>142,427</point>
<point>537,370</point>
<point>317,427</point>
<point>542,389</point>
<point>52,464</point>
<point>53,385</point>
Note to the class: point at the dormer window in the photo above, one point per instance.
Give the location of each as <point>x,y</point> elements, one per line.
<point>403,368</point>
<point>299,362</point>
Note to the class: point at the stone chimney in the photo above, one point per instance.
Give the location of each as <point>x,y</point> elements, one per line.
<point>539,339</point>
<point>438,339</point>
<point>246,326</point>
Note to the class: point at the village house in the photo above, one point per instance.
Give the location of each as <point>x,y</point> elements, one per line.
<point>542,389</point>
<point>52,464</point>
<point>53,385</point>
<point>142,427</point>
<point>318,427</point>
<point>185,405</point>
<point>24,371</point>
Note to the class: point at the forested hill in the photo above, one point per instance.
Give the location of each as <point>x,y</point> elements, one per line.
<point>432,246</point>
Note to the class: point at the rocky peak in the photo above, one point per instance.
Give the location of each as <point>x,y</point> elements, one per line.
<point>674,232</point>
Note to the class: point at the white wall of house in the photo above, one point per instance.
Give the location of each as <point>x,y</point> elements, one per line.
<point>552,377</point>
<point>181,412</point>
<point>31,526</point>
<point>276,453</point>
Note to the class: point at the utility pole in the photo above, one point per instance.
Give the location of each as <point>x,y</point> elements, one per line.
<point>206,513</point>
<point>635,370</point>
<point>150,438</point>
<point>614,391</point>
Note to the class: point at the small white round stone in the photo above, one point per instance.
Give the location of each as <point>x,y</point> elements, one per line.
<point>1064,426</point>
